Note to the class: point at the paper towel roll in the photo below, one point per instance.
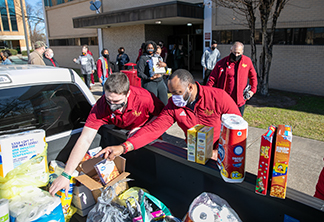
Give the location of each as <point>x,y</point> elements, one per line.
<point>203,213</point>
<point>4,210</point>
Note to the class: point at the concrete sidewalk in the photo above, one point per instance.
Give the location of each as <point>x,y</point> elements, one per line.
<point>306,159</point>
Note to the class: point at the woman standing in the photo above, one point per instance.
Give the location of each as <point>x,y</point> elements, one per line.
<point>152,83</point>
<point>4,55</point>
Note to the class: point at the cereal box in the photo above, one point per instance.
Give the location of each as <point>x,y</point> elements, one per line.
<point>205,139</point>
<point>281,161</point>
<point>264,161</point>
<point>106,170</point>
<point>192,142</point>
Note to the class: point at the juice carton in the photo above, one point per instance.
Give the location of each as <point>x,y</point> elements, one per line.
<point>281,161</point>
<point>192,142</point>
<point>264,161</point>
<point>205,143</point>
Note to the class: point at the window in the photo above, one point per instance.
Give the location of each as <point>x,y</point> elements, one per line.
<point>54,108</point>
<point>12,13</point>
<point>4,16</point>
<point>74,41</point>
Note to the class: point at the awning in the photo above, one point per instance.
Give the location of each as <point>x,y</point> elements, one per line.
<point>169,13</point>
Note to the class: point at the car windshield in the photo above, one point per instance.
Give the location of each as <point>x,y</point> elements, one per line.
<point>54,108</point>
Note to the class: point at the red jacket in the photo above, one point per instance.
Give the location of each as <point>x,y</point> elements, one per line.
<point>319,192</point>
<point>245,70</point>
<point>211,104</point>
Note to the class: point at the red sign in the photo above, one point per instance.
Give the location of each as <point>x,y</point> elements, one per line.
<point>207,36</point>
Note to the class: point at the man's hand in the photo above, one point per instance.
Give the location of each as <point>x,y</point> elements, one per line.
<point>74,59</point>
<point>251,94</point>
<point>111,152</point>
<point>58,184</point>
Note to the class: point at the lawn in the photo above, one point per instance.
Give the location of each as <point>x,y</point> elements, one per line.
<point>305,113</point>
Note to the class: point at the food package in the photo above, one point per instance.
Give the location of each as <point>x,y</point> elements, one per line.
<point>106,170</point>
<point>32,173</point>
<point>208,207</point>
<point>91,153</point>
<point>232,148</point>
<point>16,149</point>
<point>205,144</point>
<point>4,210</point>
<point>281,161</point>
<point>35,205</point>
<point>264,161</point>
<point>56,168</point>
<point>192,142</point>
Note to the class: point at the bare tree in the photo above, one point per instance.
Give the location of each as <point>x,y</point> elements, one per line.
<point>269,11</point>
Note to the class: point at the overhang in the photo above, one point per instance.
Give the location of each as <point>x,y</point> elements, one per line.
<point>169,13</point>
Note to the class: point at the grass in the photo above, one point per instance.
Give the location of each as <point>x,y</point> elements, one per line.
<point>306,116</point>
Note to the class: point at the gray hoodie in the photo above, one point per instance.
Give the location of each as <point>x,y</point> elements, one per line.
<point>87,64</point>
<point>210,58</point>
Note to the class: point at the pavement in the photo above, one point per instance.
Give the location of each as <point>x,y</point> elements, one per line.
<point>306,158</point>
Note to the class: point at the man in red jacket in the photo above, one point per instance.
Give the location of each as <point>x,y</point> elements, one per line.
<point>189,105</point>
<point>232,73</point>
<point>127,107</point>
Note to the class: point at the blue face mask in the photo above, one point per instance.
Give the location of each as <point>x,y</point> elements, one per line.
<point>150,50</point>
<point>179,101</point>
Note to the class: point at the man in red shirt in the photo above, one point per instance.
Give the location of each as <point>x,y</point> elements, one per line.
<point>124,106</point>
<point>232,73</point>
<point>189,105</point>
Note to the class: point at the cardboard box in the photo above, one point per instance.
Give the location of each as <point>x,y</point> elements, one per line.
<point>205,138</point>
<point>16,149</point>
<point>86,179</point>
<point>192,142</point>
<point>82,197</point>
<point>264,161</point>
<point>281,161</point>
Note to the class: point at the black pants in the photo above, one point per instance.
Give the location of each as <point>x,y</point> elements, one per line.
<point>207,73</point>
<point>159,89</point>
<point>87,78</point>
<point>242,108</point>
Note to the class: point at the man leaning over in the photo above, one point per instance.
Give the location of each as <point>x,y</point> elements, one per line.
<point>189,105</point>
<point>232,73</point>
<point>122,105</point>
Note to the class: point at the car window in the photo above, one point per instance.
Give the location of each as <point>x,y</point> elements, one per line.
<point>54,108</point>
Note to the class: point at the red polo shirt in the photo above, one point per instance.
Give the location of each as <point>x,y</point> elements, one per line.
<point>141,106</point>
<point>210,106</point>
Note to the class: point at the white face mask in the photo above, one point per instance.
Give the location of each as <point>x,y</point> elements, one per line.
<point>179,101</point>
<point>51,55</point>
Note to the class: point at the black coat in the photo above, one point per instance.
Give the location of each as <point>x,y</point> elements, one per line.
<point>49,63</point>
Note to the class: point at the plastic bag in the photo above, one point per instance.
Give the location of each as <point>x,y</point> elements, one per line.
<point>131,192</point>
<point>32,173</point>
<point>108,210</point>
<point>208,207</point>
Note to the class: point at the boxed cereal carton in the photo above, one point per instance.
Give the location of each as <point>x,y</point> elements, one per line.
<point>205,141</point>
<point>192,142</point>
<point>264,161</point>
<point>281,161</point>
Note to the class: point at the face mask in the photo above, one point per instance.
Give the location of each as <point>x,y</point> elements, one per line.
<point>121,52</point>
<point>235,58</point>
<point>114,107</point>
<point>51,55</point>
<point>83,53</point>
<point>150,50</point>
<point>179,101</point>
<point>213,48</point>
<point>106,56</point>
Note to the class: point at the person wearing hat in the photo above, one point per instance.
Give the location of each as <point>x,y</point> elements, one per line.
<point>36,57</point>
<point>209,60</point>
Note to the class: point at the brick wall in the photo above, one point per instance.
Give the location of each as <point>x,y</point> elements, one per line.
<point>293,68</point>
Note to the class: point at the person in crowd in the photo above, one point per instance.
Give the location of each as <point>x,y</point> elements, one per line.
<point>103,67</point>
<point>87,65</point>
<point>92,77</point>
<point>232,74</point>
<point>158,54</point>
<point>151,82</point>
<point>49,59</point>
<point>177,56</point>
<point>164,51</point>
<point>209,59</point>
<point>319,189</point>
<point>122,105</point>
<point>36,57</point>
<point>140,52</point>
<point>5,57</point>
<point>189,105</point>
<point>122,58</point>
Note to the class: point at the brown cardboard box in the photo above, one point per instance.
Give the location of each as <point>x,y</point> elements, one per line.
<point>205,143</point>
<point>86,179</point>
<point>281,161</point>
